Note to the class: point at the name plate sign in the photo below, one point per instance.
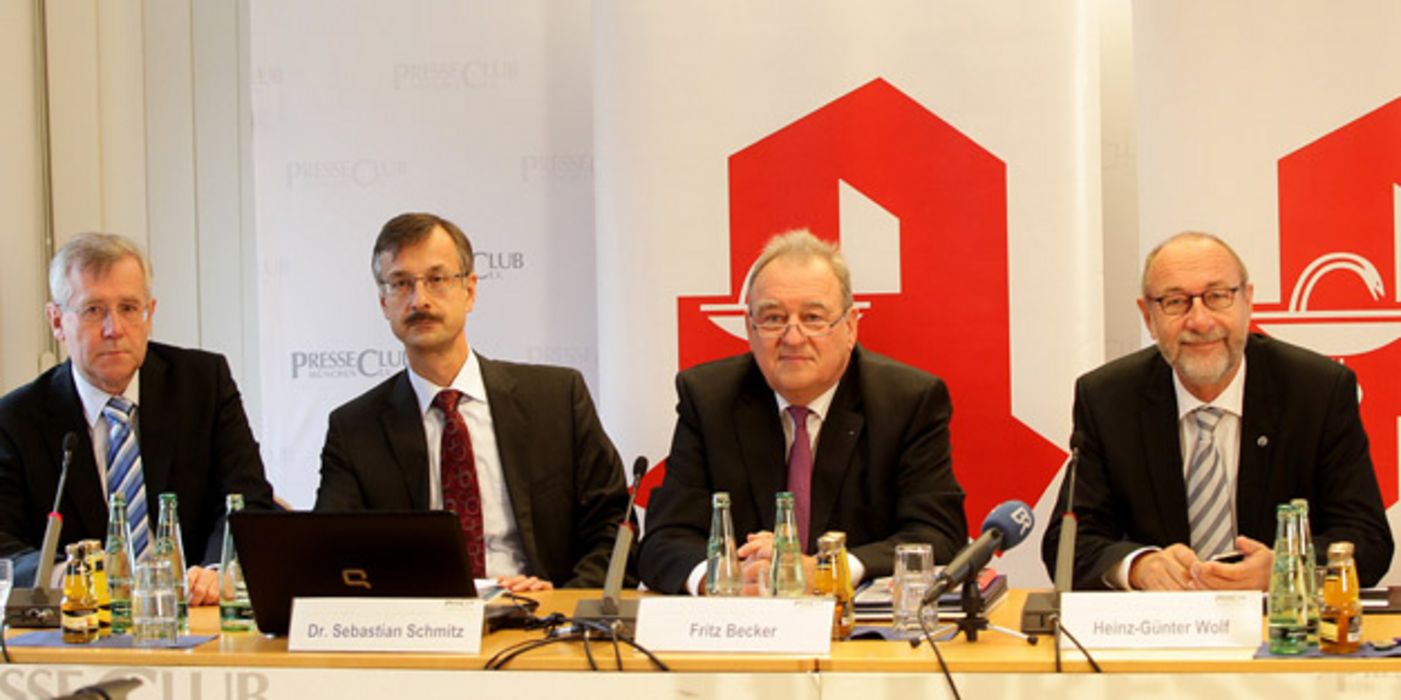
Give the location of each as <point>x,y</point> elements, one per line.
<point>450,625</point>
<point>736,625</point>
<point>1163,620</point>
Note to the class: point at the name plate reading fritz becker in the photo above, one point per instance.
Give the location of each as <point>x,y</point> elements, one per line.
<point>736,625</point>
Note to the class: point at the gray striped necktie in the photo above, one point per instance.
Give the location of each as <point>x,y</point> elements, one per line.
<point>1208,491</point>
<point>124,473</point>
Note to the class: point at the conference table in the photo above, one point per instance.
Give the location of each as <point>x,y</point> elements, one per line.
<point>248,666</point>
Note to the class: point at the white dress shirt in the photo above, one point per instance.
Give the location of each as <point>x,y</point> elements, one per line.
<point>505,555</point>
<point>94,400</point>
<point>1231,401</point>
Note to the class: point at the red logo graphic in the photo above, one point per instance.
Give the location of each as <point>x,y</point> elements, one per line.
<point>921,213</point>
<point>1340,244</point>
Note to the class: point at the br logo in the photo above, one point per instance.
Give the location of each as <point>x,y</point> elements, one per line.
<point>1340,245</point>
<point>920,211</point>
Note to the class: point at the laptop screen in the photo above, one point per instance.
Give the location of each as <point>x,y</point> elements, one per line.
<point>287,555</point>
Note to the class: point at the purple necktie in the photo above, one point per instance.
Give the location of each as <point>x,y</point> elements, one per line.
<point>800,471</point>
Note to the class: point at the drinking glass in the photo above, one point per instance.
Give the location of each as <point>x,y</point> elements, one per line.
<point>154,611</point>
<point>7,579</point>
<point>914,574</point>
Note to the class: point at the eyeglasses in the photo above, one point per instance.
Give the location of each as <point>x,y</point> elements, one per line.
<point>129,312</point>
<point>1213,299</point>
<point>775,324</point>
<point>434,283</point>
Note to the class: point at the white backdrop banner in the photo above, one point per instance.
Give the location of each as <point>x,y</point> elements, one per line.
<point>1280,130</point>
<point>951,147</point>
<point>472,109</point>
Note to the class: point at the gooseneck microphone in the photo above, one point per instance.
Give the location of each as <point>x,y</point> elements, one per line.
<point>611,606</point>
<point>1004,528</point>
<point>37,606</point>
<point>43,573</point>
<point>1042,608</point>
<point>1065,552</point>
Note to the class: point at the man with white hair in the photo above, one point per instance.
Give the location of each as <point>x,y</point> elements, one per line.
<point>861,440</point>
<point>149,418</point>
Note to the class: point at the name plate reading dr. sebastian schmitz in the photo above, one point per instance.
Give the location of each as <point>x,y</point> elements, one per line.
<point>451,625</point>
<point>736,625</point>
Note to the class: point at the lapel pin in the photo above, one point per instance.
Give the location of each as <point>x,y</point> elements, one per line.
<point>1262,441</point>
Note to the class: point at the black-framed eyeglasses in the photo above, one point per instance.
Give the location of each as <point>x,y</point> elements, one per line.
<point>1213,299</point>
<point>775,324</point>
<point>434,283</point>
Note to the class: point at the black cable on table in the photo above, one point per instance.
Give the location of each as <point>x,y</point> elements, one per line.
<point>943,666</point>
<point>1078,645</point>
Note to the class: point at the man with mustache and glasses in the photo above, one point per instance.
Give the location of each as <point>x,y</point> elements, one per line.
<point>861,440</point>
<point>1186,448</point>
<point>515,451</point>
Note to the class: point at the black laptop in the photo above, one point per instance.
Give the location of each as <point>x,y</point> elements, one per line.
<point>288,555</point>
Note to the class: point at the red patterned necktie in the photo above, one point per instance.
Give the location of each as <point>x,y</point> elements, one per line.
<point>461,494</point>
<point>800,471</point>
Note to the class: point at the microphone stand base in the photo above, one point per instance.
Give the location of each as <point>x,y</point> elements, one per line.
<point>1040,612</point>
<point>598,610</point>
<point>33,608</point>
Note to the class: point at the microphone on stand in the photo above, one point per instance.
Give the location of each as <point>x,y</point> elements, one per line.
<point>1004,528</point>
<point>37,606</point>
<point>1042,608</point>
<point>44,572</point>
<point>611,607</point>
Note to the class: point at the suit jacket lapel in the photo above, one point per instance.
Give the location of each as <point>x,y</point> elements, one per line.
<point>1261,415</point>
<point>511,423</point>
<point>156,426</point>
<point>84,487</point>
<point>760,434</point>
<point>403,430</point>
<point>836,444</point>
<point>1163,453</point>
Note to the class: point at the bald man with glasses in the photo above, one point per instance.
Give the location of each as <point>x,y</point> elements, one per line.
<point>1187,447</point>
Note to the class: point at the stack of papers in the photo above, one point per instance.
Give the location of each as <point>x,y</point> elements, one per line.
<point>873,600</point>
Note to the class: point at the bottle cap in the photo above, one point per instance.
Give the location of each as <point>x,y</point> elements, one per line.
<point>831,542</point>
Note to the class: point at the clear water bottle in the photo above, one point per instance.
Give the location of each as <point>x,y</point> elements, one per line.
<point>787,571</point>
<point>722,572</point>
<point>170,549</point>
<point>1308,570</point>
<point>1288,609</point>
<point>235,609</point>
<point>120,563</point>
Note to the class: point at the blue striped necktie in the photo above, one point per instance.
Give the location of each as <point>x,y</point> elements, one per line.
<point>124,474</point>
<point>1208,491</point>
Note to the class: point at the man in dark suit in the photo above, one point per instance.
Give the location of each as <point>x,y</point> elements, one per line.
<point>191,437</point>
<point>1186,448</point>
<point>873,459</point>
<point>516,451</point>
